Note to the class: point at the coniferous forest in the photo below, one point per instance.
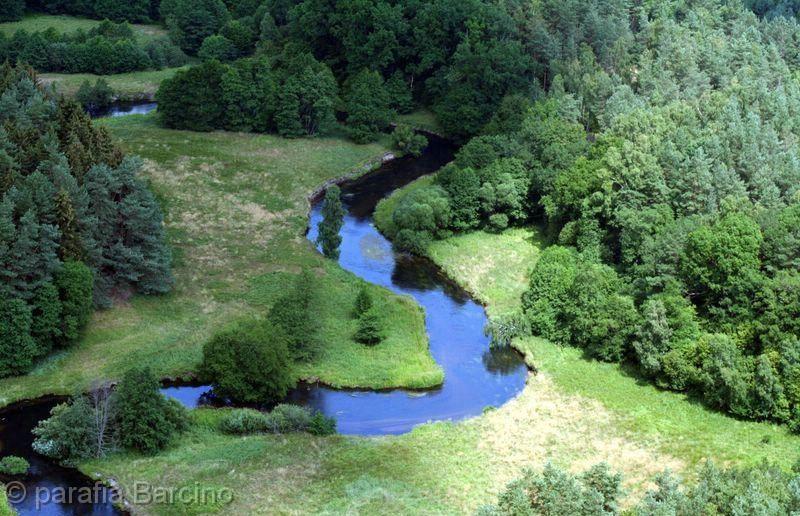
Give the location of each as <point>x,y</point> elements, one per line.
<point>78,227</point>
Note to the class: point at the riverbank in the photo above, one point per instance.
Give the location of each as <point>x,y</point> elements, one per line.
<point>235,210</point>
<point>667,422</point>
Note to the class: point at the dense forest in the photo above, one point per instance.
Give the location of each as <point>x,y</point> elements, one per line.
<point>78,228</point>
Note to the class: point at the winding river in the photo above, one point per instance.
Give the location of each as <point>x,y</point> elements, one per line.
<point>476,376</point>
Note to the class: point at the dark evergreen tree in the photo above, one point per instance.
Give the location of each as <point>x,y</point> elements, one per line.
<point>75,283</point>
<point>144,420</point>
<point>363,302</point>
<point>333,213</point>
<point>370,328</point>
<point>293,313</point>
<point>17,347</point>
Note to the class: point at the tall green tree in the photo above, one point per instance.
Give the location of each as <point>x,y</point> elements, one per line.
<point>333,213</point>
<point>144,420</point>
<point>368,106</point>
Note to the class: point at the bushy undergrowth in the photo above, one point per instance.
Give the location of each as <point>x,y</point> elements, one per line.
<point>282,419</point>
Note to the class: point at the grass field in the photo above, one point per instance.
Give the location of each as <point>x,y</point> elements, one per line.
<point>574,413</point>
<point>127,86</point>
<point>235,209</point>
<point>36,22</point>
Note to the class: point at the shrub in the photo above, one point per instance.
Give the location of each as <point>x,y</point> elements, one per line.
<point>14,466</point>
<point>370,328</point>
<point>283,419</point>
<point>320,424</point>
<point>67,435</point>
<point>363,302</point>
<point>190,99</point>
<point>555,492</point>
<point>407,141</point>
<point>95,98</point>
<point>244,421</point>
<point>144,419</point>
<point>248,363</point>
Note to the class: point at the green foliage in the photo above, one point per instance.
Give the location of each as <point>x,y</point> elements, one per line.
<point>107,48</point>
<point>217,47</point>
<point>293,313</point>
<point>363,302</point>
<point>190,22</point>
<point>95,97</point>
<point>333,213</point>
<point>366,102</point>
<point>407,141</point>
<point>248,363</point>
<point>555,492</point>
<point>144,420</point>
<point>131,10</point>
<point>283,419</point>
<point>14,466</point>
<point>370,328</point>
<point>68,434</point>
<point>17,347</point>
<point>190,99</point>
<point>75,283</point>
<point>12,10</point>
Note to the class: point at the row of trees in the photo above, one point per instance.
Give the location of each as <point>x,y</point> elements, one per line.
<point>675,220</point>
<point>77,226</point>
<point>133,416</point>
<point>762,489</point>
<point>292,94</point>
<point>107,49</point>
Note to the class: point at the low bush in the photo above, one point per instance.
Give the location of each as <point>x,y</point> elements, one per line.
<point>14,466</point>
<point>284,418</point>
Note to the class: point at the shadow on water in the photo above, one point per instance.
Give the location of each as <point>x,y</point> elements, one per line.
<point>118,109</point>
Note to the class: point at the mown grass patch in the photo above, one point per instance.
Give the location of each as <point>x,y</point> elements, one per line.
<point>38,22</point>
<point>494,267</point>
<point>236,211</point>
<point>130,86</point>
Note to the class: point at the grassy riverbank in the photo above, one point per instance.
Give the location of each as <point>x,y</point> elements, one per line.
<point>235,210</point>
<point>131,86</point>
